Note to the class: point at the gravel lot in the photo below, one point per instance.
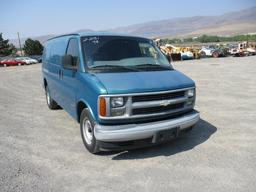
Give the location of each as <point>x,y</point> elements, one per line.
<point>41,150</point>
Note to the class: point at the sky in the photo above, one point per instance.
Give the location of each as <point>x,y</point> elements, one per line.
<point>42,17</point>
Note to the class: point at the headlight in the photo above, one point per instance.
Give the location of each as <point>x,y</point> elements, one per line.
<point>117,102</point>
<point>112,106</point>
<point>191,92</point>
<point>191,97</point>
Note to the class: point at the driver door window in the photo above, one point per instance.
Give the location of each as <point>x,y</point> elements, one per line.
<point>73,50</point>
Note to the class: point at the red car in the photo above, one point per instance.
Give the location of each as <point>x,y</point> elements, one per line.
<point>8,62</point>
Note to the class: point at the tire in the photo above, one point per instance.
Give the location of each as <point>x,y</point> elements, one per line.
<point>215,54</point>
<point>241,54</point>
<point>202,54</point>
<point>50,102</point>
<point>87,125</point>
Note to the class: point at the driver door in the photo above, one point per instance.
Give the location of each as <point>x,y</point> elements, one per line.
<point>68,78</point>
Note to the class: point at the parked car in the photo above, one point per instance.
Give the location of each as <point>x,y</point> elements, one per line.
<point>37,57</point>
<point>206,52</point>
<point>11,62</point>
<point>27,60</point>
<point>121,89</point>
<point>213,51</point>
<point>241,49</point>
<point>235,51</point>
<point>187,55</point>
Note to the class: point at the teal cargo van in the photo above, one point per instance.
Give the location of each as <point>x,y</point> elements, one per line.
<point>121,89</point>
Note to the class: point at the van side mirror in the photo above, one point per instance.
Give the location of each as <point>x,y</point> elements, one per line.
<point>68,62</point>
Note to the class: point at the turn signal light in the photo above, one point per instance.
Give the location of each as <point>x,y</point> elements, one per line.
<point>103,110</point>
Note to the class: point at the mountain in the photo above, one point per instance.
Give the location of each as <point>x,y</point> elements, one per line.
<point>233,23</point>
<point>239,22</point>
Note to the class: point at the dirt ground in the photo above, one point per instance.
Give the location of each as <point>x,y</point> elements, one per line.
<point>41,150</point>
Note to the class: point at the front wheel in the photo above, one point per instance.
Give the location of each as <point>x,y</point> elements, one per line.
<point>87,125</point>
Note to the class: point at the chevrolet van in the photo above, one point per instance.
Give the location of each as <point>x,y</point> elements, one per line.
<point>121,89</point>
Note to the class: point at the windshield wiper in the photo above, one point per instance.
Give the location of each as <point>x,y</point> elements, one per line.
<point>98,67</point>
<point>153,66</point>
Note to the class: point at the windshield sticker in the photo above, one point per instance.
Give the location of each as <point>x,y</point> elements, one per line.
<point>94,40</point>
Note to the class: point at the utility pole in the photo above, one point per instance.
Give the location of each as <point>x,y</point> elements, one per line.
<point>20,44</point>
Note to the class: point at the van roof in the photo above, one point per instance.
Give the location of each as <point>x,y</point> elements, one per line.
<point>84,34</point>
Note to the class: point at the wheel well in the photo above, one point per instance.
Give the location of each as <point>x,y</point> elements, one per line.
<point>80,106</point>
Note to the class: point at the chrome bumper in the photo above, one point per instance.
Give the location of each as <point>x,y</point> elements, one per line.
<point>128,132</point>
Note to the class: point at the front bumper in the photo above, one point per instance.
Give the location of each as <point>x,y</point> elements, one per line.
<point>130,132</point>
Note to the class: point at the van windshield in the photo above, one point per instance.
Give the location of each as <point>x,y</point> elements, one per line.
<point>104,52</point>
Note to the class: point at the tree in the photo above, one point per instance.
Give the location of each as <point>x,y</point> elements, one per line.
<point>33,47</point>
<point>6,48</point>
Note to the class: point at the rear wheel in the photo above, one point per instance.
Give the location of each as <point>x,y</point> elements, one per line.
<point>50,102</point>
<point>87,125</point>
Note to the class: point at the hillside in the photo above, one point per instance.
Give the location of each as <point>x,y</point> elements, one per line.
<point>233,23</point>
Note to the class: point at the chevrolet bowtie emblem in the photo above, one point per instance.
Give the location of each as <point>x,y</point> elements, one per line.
<point>165,103</point>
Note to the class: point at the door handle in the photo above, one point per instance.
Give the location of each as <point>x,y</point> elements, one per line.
<point>59,74</point>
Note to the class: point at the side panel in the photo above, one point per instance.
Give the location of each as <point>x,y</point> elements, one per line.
<point>69,90</point>
<point>54,50</point>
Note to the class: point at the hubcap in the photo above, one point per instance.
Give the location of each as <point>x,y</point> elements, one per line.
<point>48,97</point>
<point>87,131</point>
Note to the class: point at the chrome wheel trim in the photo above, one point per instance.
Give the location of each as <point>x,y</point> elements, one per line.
<point>87,131</point>
<point>48,98</point>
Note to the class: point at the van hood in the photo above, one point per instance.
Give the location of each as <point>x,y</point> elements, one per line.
<point>137,82</point>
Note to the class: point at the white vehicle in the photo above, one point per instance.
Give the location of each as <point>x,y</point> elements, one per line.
<point>187,55</point>
<point>27,60</point>
<point>206,52</point>
<point>251,51</point>
<point>241,49</point>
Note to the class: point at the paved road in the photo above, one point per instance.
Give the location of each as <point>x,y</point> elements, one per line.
<point>41,150</point>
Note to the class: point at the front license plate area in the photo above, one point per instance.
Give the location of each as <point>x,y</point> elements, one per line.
<point>166,135</point>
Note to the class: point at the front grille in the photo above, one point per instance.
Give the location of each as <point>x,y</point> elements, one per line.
<point>155,97</point>
<point>159,109</point>
<point>157,104</point>
<point>151,106</point>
